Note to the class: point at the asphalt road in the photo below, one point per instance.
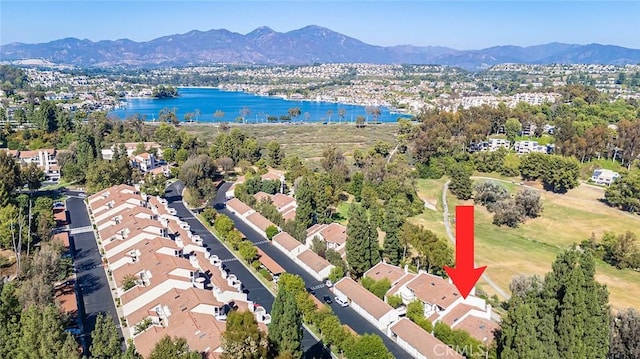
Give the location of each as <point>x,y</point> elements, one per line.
<point>347,315</point>
<point>255,289</point>
<point>91,277</point>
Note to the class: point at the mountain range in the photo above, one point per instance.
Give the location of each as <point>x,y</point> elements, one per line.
<point>310,44</point>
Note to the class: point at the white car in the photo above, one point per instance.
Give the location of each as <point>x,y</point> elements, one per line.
<point>328,283</point>
<point>343,303</point>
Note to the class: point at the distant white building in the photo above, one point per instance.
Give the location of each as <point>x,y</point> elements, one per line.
<point>529,147</point>
<point>603,176</point>
<point>496,143</point>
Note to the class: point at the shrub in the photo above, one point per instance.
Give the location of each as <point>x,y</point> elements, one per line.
<point>508,213</point>
<point>265,273</point>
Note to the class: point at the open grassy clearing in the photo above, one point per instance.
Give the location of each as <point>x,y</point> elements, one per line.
<point>309,140</point>
<point>532,247</point>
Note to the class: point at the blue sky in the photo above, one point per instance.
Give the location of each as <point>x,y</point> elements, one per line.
<point>458,24</point>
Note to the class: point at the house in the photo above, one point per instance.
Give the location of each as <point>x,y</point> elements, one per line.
<point>287,244</point>
<point>145,161</point>
<point>315,265</point>
<point>238,207</point>
<point>259,223</point>
<point>496,143</point>
<point>285,204</point>
<point>44,159</point>
<point>522,147</point>
<point>334,235</point>
<point>130,147</point>
<point>275,175</point>
<point>365,303</point>
<point>269,264</point>
<point>419,343</point>
<point>604,176</point>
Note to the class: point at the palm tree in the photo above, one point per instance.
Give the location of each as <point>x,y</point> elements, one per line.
<point>329,114</point>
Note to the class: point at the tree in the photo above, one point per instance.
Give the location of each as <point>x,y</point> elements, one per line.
<point>10,178</point>
<point>567,316</point>
<point>247,250</point>
<point>507,212</point>
<point>285,329</point>
<point>105,341</point>
<point>198,173</point>
<point>461,185</point>
<point>415,312</point>
<point>305,212</point>
<point>271,231</point>
<point>242,337</point>
<point>176,348</point>
<point>489,193</point>
<point>275,154</point>
<point>32,176</point>
<point>319,246</point>
<point>363,251</point>
<point>529,200</point>
<point>512,129</point>
<point>624,192</point>
<point>392,248</point>
<point>223,225</point>
<point>368,346</point>
<point>360,122</point>
<point>336,274</point>
<point>625,335</point>
<point>561,174</point>
<point>620,251</point>
<point>433,252</point>
<point>154,185</point>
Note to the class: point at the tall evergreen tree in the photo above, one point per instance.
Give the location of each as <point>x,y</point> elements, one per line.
<point>305,212</point>
<point>105,341</point>
<point>569,312</point>
<point>10,311</point>
<point>392,248</point>
<point>285,329</point>
<point>363,251</point>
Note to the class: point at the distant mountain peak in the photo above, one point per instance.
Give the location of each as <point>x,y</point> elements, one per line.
<point>310,44</point>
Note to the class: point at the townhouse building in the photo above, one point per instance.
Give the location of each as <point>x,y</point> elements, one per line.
<point>167,282</point>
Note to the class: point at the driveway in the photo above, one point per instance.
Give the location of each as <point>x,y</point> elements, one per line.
<point>91,277</point>
<point>347,315</point>
<point>256,291</point>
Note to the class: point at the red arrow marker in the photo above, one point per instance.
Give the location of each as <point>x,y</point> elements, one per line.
<point>464,275</point>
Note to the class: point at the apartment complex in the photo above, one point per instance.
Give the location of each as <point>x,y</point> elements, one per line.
<point>45,159</point>
<point>168,283</point>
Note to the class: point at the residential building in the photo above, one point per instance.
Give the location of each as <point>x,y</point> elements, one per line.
<point>604,176</point>
<point>334,235</point>
<point>130,148</point>
<point>145,161</point>
<point>167,282</point>
<point>288,245</point>
<point>45,159</point>
<point>315,265</point>
<point>365,303</point>
<point>419,343</point>
<point>522,147</point>
<point>495,143</point>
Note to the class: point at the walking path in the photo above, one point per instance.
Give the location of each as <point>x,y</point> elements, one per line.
<point>447,226</point>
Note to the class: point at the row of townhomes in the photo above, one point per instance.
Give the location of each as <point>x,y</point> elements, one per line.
<point>45,159</point>
<point>167,282</point>
<point>441,300</point>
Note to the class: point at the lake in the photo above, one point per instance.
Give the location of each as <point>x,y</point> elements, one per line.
<point>208,100</point>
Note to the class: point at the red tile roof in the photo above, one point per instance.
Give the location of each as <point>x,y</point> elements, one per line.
<point>363,298</point>
<point>425,343</point>
<point>434,290</point>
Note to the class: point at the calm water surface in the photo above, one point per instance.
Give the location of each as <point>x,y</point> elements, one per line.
<point>208,100</point>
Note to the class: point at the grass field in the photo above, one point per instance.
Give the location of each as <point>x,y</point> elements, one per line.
<point>532,247</point>
<point>309,140</point>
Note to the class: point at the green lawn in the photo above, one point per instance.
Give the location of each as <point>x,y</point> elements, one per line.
<point>532,247</point>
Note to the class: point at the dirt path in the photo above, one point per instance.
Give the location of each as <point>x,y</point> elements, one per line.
<point>447,226</point>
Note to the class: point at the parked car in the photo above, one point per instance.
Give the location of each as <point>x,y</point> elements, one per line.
<point>343,303</point>
<point>328,283</point>
<point>327,299</point>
